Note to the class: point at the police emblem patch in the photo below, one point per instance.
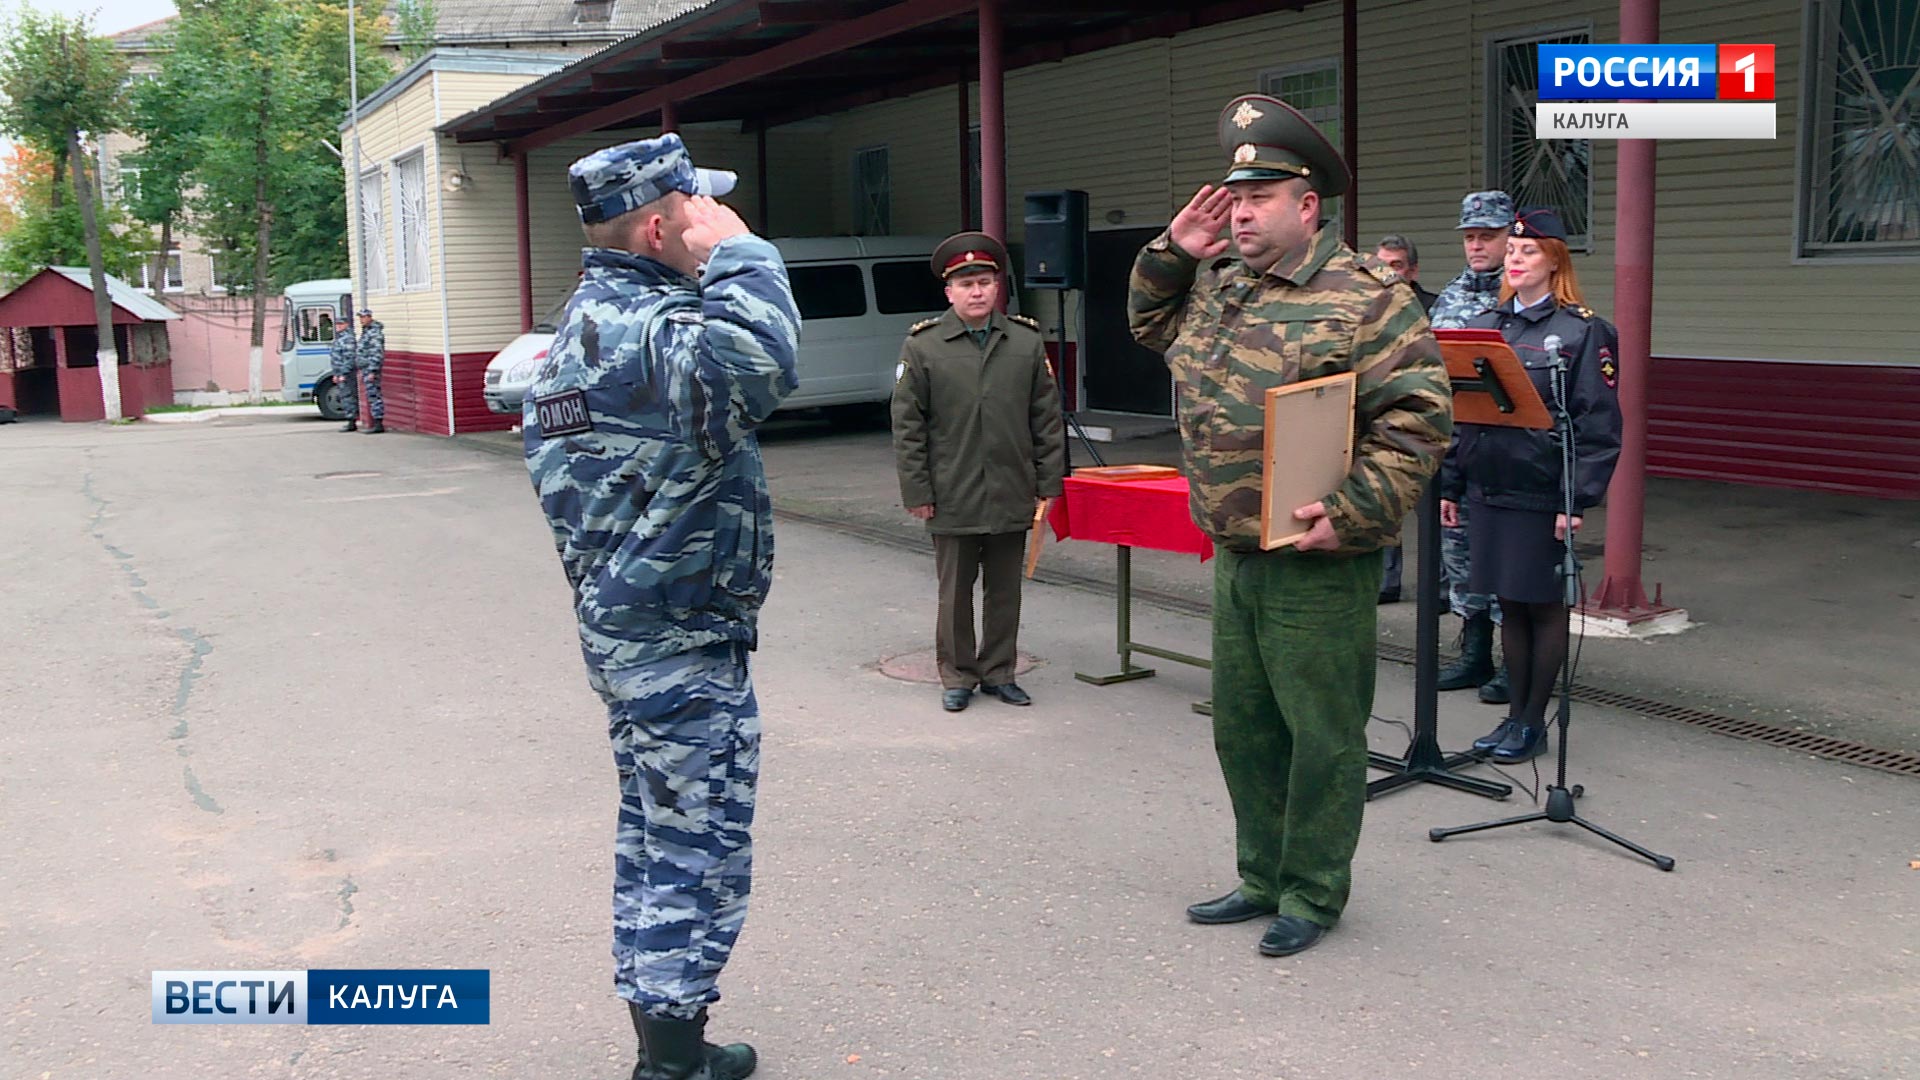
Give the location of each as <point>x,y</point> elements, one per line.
<point>562,414</point>
<point>899,371</point>
<point>1609,372</point>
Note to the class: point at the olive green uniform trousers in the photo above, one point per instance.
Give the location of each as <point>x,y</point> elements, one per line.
<point>1293,670</point>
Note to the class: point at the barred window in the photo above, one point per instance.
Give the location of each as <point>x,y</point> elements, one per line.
<point>1860,145</point>
<point>410,218</point>
<point>1314,89</point>
<point>373,232</point>
<point>1536,172</point>
<point>872,192</point>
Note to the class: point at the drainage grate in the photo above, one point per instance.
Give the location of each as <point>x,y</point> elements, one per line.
<point>1853,753</point>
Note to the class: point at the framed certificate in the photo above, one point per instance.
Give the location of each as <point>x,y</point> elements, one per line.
<point>1308,452</point>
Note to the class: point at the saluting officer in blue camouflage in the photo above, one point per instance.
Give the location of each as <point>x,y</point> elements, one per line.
<point>371,356</point>
<point>1486,221</point>
<point>340,355</point>
<point>677,344</point>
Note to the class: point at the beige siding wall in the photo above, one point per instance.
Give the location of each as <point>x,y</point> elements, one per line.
<point>397,128</point>
<point>1135,127</point>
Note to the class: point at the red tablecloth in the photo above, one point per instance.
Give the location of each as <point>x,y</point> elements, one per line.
<point>1138,513</point>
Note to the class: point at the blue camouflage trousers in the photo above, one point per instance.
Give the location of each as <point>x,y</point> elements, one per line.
<point>349,380</point>
<point>1455,558</point>
<point>376,405</point>
<point>686,745</point>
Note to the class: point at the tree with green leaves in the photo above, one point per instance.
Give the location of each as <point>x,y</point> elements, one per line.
<point>35,232</point>
<point>60,84</point>
<point>415,23</point>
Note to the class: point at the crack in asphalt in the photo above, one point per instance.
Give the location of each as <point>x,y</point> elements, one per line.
<point>198,646</point>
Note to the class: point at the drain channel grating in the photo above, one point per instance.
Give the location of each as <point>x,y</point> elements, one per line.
<point>1804,742</point>
<point>1853,753</point>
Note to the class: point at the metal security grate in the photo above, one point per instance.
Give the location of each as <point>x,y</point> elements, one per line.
<point>1872,757</point>
<point>1853,753</point>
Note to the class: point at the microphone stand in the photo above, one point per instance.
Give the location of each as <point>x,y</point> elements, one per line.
<point>1560,797</point>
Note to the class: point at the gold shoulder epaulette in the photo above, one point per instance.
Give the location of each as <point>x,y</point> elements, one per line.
<point>1026,321</point>
<point>1384,274</point>
<point>923,324</point>
<point>1583,311</point>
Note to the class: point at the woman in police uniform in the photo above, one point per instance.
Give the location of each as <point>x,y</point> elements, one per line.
<point>1510,478</point>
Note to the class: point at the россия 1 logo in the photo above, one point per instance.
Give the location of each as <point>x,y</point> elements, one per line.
<point>1656,92</point>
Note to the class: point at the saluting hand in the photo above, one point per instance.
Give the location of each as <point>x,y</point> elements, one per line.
<point>1197,227</point>
<point>708,222</point>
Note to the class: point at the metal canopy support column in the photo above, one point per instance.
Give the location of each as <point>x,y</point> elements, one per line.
<point>669,117</point>
<point>993,124</point>
<point>766,197</point>
<point>1620,590</point>
<point>1350,114</point>
<point>965,217</point>
<point>523,240</point>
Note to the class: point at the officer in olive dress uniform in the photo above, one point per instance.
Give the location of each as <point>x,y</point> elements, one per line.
<point>1510,478</point>
<point>980,444</point>
<point>1293,629</point>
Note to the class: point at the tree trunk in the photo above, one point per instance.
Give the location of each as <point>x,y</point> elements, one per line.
<point>105,355</point>
<point>59,170</point>
<point>263,216</point>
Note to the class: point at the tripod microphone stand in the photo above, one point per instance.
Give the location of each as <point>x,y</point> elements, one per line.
<point>1560,797</point>
<point>1060,385</point>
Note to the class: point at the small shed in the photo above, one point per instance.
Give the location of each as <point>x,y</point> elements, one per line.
<point>48,347</point>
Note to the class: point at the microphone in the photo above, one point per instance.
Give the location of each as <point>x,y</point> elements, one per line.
<point>1551,346</point>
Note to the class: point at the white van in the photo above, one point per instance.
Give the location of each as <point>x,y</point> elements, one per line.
<point>857,296</point>
<point>310,312</point>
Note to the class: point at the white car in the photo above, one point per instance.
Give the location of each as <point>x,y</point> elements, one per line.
<point>857,297</point>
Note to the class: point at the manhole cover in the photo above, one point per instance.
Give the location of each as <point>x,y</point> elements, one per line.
<point>921,667</point>
<point>348,475</point>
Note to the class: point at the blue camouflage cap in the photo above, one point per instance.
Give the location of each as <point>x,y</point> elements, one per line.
<point>610,182</point>
<point>1486,210</point>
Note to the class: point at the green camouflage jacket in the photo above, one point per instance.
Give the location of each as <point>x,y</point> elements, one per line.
<point>1229,336</point>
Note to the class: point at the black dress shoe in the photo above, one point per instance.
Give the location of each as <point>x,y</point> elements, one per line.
<point>1231,908</point>
<point>1390,596</point>
<point>1009,693</point>
<point>1498,735</point>
<point>955,700</point>
<point>1523,743</point>
<point>1290,934</point>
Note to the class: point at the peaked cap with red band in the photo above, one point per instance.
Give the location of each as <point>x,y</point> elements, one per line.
<point>968,251</point>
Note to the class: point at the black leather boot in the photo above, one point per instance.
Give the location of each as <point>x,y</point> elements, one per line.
<point>351,425</point>
<point>376,427</point>
<point>1475,665</point>
<point>1496,691</point>
<point>678,1050</point>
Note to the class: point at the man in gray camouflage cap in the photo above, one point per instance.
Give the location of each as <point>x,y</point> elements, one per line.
<point>677,344</point>
<point>1486,220</point>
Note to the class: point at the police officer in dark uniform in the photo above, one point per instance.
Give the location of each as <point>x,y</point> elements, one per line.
<point>1511,478</point>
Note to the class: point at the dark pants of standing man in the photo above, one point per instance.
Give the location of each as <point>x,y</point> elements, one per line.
<point>993,558</point>
<point>1293,670</point>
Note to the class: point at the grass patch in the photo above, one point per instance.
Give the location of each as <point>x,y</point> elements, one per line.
<point>236,405</point>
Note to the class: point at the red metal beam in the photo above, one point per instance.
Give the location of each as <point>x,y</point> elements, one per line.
<point>846,35</point>
<point>1621,591</point>
<point>808,12</point>
<point>1350,114</point>
<point>523,238</point>
<point>766,200</point>
<point>629,80</point>
<point>669,117</point>
<point>932,80</point>
<point>993,124</point>
<point>714,49</point>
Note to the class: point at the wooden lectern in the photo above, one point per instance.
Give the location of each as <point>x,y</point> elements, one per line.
<point>1491,387</point>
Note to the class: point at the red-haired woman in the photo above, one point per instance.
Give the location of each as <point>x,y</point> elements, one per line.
<point>1510,478</point>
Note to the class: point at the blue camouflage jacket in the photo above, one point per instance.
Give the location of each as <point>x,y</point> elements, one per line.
<point>639,438</point>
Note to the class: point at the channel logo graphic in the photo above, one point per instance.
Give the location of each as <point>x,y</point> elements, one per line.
<point>1656,73</point>
<point>332,996</point>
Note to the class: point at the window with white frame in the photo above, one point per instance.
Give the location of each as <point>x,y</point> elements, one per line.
<point>1313,88</point>
<point>176,277</point>
<point>128,186</point>
<point>373,231</point>
<point>219,270</point>
<point>872,192</point>
<point>410,219</point>
<point>1536,172</point>
<point>1860,146</point>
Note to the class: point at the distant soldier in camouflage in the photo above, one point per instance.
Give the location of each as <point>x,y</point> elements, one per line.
<point>639,431</point>
<point>1293,629</point>
<point>370,357</point>
<point>1486,221</point>
<point>340,354</point>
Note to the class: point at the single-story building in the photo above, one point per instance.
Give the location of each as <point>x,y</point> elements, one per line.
<point>49,347</point>
<point>866,117</point>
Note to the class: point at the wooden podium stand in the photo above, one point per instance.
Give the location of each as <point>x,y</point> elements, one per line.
<point>1491,387</point>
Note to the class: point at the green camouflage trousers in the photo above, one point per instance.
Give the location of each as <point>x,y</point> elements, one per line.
<point>1293,670</point>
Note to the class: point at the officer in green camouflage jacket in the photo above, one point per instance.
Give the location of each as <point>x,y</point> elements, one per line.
<point>1294,628</point>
